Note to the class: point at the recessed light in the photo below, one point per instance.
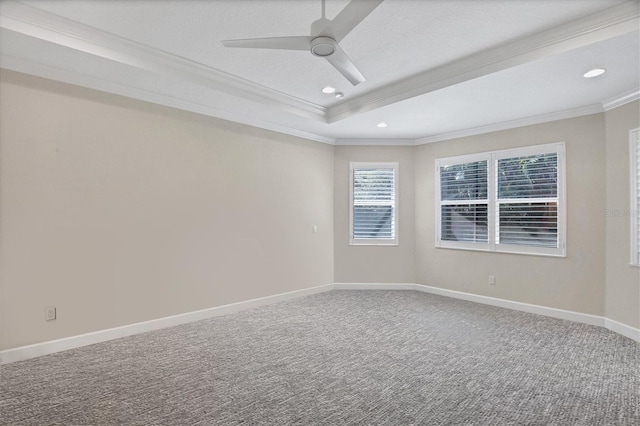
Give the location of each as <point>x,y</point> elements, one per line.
<point>594,72</point>
<point>328,89</point>
<point>382,124</point>
<point>339,95</point>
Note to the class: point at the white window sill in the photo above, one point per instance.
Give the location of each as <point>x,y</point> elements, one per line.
<point>488,250</point>
<point>386,243</point>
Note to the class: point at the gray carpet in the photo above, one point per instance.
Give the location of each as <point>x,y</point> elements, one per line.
<point>339,358</point>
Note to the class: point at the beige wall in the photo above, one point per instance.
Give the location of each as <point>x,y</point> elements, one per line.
<point>374,264</point>
<point>117,211</point>
<point>574,283</point>
<point>623,280</point>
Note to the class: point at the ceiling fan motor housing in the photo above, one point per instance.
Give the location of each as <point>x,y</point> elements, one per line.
<point>323,46</point>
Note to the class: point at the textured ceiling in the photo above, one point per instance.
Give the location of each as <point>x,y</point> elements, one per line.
<point>433,67</point>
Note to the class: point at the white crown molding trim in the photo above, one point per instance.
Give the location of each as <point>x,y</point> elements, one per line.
<point>375,142</point>
<point>623,329</point>
<point>55,29</point>
<point>109,86</point>
<point>600,26</point>
<point>521,122</point>
<point>622,99</point>
<point>45,26</point>
<point>53,346</point>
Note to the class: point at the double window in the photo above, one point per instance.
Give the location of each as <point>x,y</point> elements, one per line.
<point>373,210</point>
<point>635,197</point>
<point>507,201</point>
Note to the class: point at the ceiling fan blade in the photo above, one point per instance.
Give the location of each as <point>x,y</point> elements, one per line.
<point>286,43</point>
<point>349,18</point>
<point>343,64</point>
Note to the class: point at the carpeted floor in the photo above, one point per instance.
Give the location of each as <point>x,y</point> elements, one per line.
<point>339,358</point>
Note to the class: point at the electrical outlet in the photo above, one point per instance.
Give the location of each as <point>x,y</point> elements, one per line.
<point>50,313</point>
<point>492,280</point>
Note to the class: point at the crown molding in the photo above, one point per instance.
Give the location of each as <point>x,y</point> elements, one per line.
<point>600,26</point>
<point>521,122</point>
<point>82,80</point>
<point>41,25</point>
<point>55,29</point>
<point>109,86</point>
<point>375,142</point>
<point>622,99</point>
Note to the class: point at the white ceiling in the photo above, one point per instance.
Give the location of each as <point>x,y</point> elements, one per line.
<point>435,69</point>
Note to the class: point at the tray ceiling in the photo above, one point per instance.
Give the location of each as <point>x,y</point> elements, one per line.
<point>434,69</point>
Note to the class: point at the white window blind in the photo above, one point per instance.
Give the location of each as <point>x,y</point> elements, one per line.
<point>509,201</point>
<point>373,203</point>
<point>635,197</point>
<point>464,202</point>
<point>527,207</point>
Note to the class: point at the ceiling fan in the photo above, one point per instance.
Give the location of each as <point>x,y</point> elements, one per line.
<point>324,38</point>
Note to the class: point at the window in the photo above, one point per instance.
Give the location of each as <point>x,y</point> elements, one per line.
<point>635,197</point>
<point>373,209</point>
<point>465,202</point>
<point>507,201</point>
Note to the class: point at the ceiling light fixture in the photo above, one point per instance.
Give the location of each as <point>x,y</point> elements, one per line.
<point>328,89</point>
<point>382,124</point>
<point>323,46</point>
<point>339,95</point>
<point>594,72</point>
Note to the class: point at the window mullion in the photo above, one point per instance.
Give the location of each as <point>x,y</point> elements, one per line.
<point>526,200</point>
<point>492,194</point>
<point>463,202</point>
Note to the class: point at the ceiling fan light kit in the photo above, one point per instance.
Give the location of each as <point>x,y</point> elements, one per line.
<point>324,40</point>
<point>323,46</point>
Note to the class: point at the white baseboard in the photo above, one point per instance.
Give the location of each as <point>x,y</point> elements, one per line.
<point>373,286</point>
<point>615,326</point>
<point>518,306</point>
<point>623,329</point>
<point>45,348</point>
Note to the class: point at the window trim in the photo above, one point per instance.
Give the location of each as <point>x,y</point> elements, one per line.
<point>492,158</point>
<point>375,241</point>
<point>634,173</point>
